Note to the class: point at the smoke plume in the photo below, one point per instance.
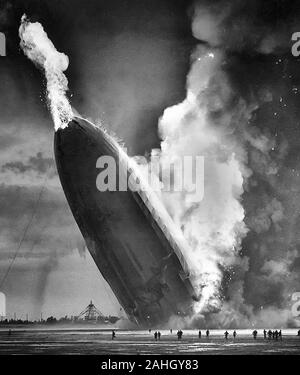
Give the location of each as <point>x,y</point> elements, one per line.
<point>245,246</point>
<point>39,49</point>
<point>205,124</point>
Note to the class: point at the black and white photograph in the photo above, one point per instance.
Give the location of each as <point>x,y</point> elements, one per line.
<point>149,180</point>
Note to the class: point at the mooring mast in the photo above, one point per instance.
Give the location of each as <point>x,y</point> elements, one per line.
<point>91,313</point>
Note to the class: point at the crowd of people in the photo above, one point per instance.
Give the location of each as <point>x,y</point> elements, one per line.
<point>270,335</point>
<point>275,335</point>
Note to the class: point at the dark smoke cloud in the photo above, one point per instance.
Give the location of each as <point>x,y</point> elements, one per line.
<point>253,26</point>
<point>35,163</point>
<point>6,11</point>
<point>262,73</point>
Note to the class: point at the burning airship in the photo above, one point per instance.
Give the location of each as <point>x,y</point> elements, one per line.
<point>132,239</point>
<point>135,244</point>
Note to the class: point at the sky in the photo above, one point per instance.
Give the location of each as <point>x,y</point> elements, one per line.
<point>129,60</point>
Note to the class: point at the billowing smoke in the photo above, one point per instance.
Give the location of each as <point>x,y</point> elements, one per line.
<point>258,27</point>
<point>39,49</point>
<point>243,234</point>
<point>205,124</point>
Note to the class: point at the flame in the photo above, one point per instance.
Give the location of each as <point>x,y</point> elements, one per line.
<point>40,50</point>
<point>213,226</point>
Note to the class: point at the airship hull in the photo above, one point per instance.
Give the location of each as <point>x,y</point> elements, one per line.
<point>130,250</point>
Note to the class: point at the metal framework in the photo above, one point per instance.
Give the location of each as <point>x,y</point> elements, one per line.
<point>91,313</point>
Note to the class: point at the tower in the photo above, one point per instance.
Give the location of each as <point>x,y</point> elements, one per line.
<point>91,313</point>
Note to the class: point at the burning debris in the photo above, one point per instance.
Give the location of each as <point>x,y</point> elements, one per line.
<point>41,51</point>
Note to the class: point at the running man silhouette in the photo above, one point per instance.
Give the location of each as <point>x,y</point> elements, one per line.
<point>265,334</point>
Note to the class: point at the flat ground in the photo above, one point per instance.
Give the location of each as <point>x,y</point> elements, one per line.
<point>95,341</point>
